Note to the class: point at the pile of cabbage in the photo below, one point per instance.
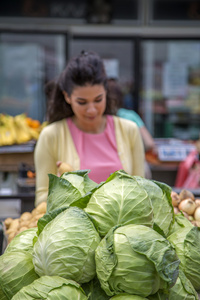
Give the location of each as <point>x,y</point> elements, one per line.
<point>119,239</point>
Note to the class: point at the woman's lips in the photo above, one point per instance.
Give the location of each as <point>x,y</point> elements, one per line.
<point>91,118</point>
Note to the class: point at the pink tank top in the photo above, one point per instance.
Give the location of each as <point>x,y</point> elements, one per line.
<point>97,152</point>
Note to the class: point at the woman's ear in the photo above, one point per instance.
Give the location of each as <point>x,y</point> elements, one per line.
<point>67,98</point>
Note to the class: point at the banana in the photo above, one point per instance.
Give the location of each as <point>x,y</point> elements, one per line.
<point>7,130</point>
<point>2,136</point>
<point>15,130</point>
<point>22,133</point>
<point>6,136</point>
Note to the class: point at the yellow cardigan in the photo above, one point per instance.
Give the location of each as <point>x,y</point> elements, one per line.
<point>56,144</point>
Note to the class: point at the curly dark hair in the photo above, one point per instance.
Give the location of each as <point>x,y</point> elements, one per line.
<point>86,68</point>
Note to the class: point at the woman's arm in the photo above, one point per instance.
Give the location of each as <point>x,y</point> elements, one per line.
<point>138,153</point>
<point>45,163</point>
<point>149,144</point>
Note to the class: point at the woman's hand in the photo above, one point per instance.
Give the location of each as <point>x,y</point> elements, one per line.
<point>63,167</point>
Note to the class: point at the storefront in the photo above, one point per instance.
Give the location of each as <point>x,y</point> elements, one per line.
<point>153,53</point>
<point>151,47</point>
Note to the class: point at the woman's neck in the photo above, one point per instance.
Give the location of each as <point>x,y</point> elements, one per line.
<point>94,128</point>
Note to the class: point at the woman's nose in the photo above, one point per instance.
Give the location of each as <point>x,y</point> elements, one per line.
<point>91,108</point>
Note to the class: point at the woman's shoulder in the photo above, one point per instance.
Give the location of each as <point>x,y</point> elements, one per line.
<point>125,123</point>
<point>126,131</point>
<point>54,127</point>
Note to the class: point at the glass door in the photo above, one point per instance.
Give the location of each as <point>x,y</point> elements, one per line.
<point>170,94</point>
<point>27,62</point>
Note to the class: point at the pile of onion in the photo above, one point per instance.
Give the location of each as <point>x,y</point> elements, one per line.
<point>186,203</point>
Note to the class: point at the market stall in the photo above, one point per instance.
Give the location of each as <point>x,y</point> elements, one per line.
<point>96,240</point>
<point>18,136</point>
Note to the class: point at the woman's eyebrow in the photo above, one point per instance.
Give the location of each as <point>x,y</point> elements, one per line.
<point>84,99</point>
<point>100,95</point>
<point>79,98</point>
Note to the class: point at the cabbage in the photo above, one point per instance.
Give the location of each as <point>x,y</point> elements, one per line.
<point>16,271</point>
<point>160,295</point>
<point>22,241</point>
<point>51,288</point>
<point>46,218</point>
<point>68,188</point>
<point>94,291</point>
<point>160,195</point>
<point>119,200</point>
<point>187,244</point>
<point>66,246</point>
<point>127,297</point>
<point>183,289</point>
<point>2,295</point>
<point>180,222</point>
<point>135,259</point>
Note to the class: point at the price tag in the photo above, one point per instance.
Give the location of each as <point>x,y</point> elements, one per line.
<point>174,153</point>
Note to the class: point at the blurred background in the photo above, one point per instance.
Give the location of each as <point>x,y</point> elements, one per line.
<point>152,47</point>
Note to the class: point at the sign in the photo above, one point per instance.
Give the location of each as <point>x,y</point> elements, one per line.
<point>112,68</point>
<point>174,151</point>
<point>92,11</point>
<point>175,79</point>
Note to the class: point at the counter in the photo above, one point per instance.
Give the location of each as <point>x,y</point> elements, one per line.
<point>12,156</point>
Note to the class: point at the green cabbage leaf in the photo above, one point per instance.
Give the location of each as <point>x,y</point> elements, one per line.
<point>183,289</point>
<point>22,241</point>
<point>160,195</point>
<point>68,188</point>
<point>16,271</point>
<point>180,222</point>
<point>2,295</point>
<point>160,295</point>
<point>187,244</point>
<point>94,291</point>
<point>51,288</point>
<point>66,246</point>
<point>127,297</point>
<point>120,200</point>
<point>135,259</point>
<point>46,218</point>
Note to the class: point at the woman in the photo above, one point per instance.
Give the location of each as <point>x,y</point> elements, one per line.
<point>83,132</point>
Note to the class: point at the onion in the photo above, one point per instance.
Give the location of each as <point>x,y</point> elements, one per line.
<point>197,214</point>
<point>185,194</point>
<point>197,201</point>
<point>188,206</point>
<point>175,199</point>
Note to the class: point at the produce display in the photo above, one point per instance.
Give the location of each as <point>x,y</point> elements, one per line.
<point>51,287</point>
<point>120,239</point>
<point>27,220</point>
<point>59,238</point>
<point>127,297</point>
<point>183,289</point>
<point>135,259</point>
<point>18,129</point>
<point>186,203</point>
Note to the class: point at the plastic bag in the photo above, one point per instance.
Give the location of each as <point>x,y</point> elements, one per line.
<point>188,175</point>
<point>193,179</point>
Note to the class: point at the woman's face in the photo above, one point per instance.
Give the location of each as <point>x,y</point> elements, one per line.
<point>88,104</point>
